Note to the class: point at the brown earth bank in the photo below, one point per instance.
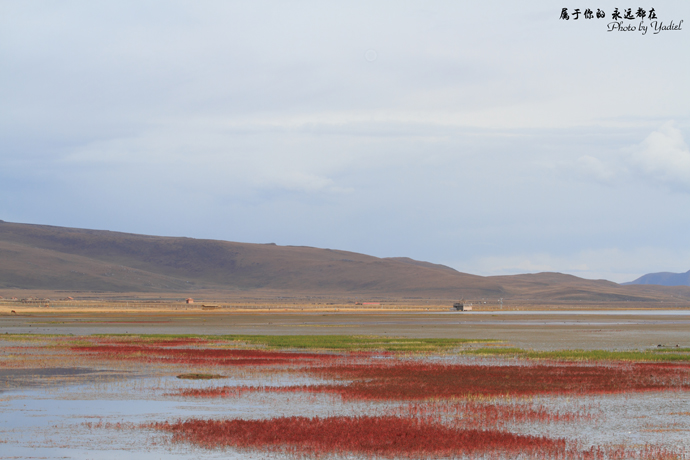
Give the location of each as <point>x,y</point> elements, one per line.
<point>56,262</point>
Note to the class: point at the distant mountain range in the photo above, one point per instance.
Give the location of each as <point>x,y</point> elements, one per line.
<point>664,279</point>
<point>34,257</point>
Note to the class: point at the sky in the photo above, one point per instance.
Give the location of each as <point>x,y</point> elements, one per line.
<point>493,137</point>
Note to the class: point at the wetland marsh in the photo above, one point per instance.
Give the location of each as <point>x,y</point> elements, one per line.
<point>247,395</point>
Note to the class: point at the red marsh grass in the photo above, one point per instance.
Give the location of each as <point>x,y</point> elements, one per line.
<point>366,435</point>
<point>199,356</point>
<point>417,381</point>
<point>388,437</point>
<point>404,381</point>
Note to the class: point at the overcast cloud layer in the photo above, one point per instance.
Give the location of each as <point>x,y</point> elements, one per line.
<point>493,138</point>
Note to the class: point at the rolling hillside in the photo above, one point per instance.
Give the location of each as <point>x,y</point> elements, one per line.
<point>57,258</point>
<point>45,257</point>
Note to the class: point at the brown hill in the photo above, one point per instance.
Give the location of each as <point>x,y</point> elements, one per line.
<point>46,257</point>
<point>558,287</point>
<point>57,258</point>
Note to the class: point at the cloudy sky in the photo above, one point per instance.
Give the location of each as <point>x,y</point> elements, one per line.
<point>495,138</point>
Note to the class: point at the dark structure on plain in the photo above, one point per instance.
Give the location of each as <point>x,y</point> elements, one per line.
<point>460,306</point>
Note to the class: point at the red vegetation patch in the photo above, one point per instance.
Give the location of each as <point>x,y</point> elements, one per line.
<point>388,436</point>
<point>413,381</point>
<point>381,436</point>
<point>198,356</point>
<point>405,381</point>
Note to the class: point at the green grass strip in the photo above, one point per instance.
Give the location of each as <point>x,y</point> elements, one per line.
<point>328,342</point>
<point>349,342</point>
<point>399,344</point>
<point>585,355</point>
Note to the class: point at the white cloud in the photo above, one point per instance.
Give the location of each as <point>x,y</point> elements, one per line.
<point>664,158</point>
